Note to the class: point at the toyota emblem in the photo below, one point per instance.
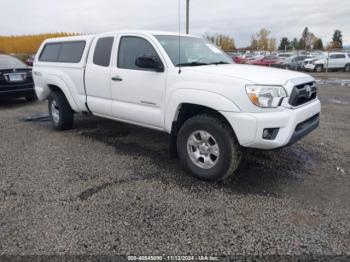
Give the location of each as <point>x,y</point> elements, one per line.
<point>308,91</point>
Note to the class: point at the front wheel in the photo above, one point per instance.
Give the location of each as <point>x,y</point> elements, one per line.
<point>61,114</point>
<point>208,148</point>
<point>319,68</point>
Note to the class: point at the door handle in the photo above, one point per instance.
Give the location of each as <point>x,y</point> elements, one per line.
<point>117,78</point>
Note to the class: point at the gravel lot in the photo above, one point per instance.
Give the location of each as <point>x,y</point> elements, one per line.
<point>110,188</point>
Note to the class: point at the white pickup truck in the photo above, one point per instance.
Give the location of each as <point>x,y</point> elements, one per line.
<point>336,60</point>
<point>211,107</point>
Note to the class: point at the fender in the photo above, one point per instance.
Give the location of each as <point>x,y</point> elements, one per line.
<point>51,79</point>
<point>197,97</point>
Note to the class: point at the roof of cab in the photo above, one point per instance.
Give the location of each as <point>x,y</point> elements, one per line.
<point>70,38</point>
<point>92,36</point>
<point>146,32</point>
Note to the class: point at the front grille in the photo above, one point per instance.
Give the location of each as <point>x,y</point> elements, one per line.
<point>302,94</point>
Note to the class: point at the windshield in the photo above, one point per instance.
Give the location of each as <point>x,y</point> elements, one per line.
<point>193,52</point>
<point>9,62</point>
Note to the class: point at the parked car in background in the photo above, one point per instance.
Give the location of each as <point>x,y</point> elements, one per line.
<point>255,57</point>
<point>242,58</point>
<point>265,61</point>
<point>333,61</point>
<point>284,55</point>
<point>295,62</point>
<point>16,78</point>
<point>312,59</point>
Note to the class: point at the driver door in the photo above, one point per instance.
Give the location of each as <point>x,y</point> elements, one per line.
<point>137,93</point>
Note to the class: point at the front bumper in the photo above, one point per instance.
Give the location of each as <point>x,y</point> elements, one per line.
<point>310,67</point>
<point>293,125</point>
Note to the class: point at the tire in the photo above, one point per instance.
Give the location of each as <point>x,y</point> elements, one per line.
<point>347,68</point>
<point>31,98</point>
<point>61,114</point>
<point>319,68</point>
<point>287,67</point>
<point>225,160</point>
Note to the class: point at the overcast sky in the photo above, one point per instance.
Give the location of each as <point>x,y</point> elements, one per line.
<point>240,19</point>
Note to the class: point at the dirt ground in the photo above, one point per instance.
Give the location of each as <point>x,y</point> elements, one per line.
<point>110,188</point>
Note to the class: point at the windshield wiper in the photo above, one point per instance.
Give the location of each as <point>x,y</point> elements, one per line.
<point>220,63</point>
<point>193,64</point>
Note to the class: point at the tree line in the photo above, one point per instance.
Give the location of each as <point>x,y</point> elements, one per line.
<point>309,41</point>
<point>226,42</point>
<point>263,41</point>
<point>28,44</point>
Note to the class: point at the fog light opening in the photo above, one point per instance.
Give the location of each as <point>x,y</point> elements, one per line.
<point>270,133</point>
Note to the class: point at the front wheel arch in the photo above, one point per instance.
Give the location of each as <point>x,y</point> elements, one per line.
<point>201,98</point>
<point>319,68</point>
<point>185,112</point>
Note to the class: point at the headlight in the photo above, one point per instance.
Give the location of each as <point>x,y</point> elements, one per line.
<point>266,96</point>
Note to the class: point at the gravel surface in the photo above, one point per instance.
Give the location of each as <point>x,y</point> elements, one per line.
<point>110,188</point>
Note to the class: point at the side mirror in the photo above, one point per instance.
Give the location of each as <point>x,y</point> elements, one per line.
<point>149,62</point>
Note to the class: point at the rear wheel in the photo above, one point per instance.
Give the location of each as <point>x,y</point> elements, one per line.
<point>208,148</point>
<point>319,68</point>
<point>347,68</point>
<point>61,114</point>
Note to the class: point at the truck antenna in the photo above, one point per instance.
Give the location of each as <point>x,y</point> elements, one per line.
<point>179,20</point>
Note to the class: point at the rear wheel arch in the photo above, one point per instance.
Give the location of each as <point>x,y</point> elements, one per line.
<point>55,84</point>
<point>57,89</point>
<point>347,67</point>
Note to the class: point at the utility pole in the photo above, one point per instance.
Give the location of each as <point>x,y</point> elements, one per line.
<point>187,16</point>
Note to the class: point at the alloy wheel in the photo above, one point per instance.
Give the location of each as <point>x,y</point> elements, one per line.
<point>203,149</point>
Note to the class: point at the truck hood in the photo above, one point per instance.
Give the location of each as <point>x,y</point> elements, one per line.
<point>254,74</point>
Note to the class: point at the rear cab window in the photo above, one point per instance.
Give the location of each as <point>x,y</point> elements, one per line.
<point>63,52</point>
<point>103,51</point>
